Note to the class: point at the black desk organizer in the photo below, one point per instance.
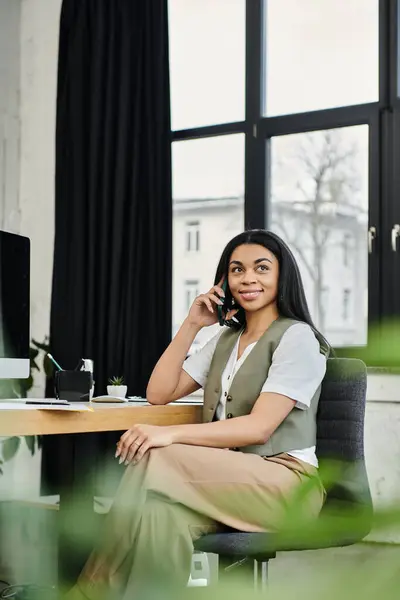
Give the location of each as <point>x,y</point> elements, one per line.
<point>73,386</point>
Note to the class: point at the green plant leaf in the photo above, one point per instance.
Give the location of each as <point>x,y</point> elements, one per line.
<point>10,447</point>
<point>31,443</point>
<point>34,365</point>
<point>42,345</point>
<point>33,353</point>
<point>17,388</point>
<point>116,381</point>
<point>25,385</point>
<point>48,367</point>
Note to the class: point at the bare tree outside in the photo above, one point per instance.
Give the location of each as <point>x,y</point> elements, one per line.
<point>321,172</point>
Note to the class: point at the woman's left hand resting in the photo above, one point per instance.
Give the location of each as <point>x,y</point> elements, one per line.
<point>267,414</point>
<point>135,442</point>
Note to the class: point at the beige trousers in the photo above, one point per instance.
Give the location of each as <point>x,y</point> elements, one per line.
<point>173,496</point>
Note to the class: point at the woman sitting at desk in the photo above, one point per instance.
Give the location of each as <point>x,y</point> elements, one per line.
<point>261,376</point>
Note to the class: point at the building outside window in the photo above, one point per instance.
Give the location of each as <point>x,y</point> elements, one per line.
<point>346,304</point>
<point>346,249</point>
<point>191,292</point>
<point>193,236</point>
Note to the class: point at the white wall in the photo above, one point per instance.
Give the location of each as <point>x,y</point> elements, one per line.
<point>382,446</point>
<point>38,79</point>
<point>29,32</point>
<point>28,76</point>
<point>10,17</point>
<point>21,475</point>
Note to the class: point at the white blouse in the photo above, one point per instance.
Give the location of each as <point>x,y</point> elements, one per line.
<point>296,371</point>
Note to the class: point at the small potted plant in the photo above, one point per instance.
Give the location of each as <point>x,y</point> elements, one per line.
<point>117,387</point>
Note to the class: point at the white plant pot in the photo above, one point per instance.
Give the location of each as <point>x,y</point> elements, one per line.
<point>118,391</point>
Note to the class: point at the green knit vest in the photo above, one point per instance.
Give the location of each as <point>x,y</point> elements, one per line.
<point>298,430</point>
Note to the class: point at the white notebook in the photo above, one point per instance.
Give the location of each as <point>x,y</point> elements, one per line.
<point>109,399</point>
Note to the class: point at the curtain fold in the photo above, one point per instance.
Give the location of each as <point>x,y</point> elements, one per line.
<point>111,296</point>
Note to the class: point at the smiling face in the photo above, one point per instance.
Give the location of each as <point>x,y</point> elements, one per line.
<point>253,277</point>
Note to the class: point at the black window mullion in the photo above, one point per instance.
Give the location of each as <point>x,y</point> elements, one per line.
<point>386,30</point>
<point>389,52</point>
<point>390,156</point>
<point>255,191</point>
<point>208,131</point>
<point>393,204</point>
<point>391,216</point>
<point>344,116</point>
<point>375,221</point>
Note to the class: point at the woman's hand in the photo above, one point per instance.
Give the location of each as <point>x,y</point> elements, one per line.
<point>203,311</point>
<point>135,442</point>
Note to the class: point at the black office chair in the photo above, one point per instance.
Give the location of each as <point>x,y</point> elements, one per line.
<point>340,438</point>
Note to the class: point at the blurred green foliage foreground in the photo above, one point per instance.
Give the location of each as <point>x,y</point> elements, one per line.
<point>372,574</point>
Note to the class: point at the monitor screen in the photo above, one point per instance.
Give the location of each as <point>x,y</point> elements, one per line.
<point>14,305</point>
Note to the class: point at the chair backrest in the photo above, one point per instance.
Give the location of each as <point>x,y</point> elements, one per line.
<point>340,434</point>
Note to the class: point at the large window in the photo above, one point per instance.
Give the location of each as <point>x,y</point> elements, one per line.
<point>207,57</point>
<point>318,196</point>
<point>320,54</point>
<point>286,115</point>
<point>208,196</point>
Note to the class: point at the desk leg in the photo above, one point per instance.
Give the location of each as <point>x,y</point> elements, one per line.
<point>76,515</point>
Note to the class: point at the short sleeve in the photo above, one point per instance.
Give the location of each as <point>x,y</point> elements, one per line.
<point>198,364</point>
<point>298,366</point>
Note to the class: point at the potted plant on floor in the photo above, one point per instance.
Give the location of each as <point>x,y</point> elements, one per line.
<point>117,387</point>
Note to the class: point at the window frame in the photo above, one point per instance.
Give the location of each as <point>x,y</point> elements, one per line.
<point>383,119</point>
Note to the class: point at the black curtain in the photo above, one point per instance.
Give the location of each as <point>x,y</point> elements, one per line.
<point>111,296</point>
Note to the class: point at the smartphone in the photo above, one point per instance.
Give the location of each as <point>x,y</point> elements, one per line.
<point>222,310</point>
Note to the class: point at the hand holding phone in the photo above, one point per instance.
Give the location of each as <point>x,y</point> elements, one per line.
<point>226,313</point>
<point>222,308</point>
<point>204,310</point>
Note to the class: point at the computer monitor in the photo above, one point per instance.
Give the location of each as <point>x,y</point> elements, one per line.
<point>14,306</point>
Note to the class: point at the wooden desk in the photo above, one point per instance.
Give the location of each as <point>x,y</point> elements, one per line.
<point>104,417</point>
<point>77,493</point>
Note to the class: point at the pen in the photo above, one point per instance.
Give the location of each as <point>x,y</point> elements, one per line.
<point>51,403</point>
<point>55,362</point>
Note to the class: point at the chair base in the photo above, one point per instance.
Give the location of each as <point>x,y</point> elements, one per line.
<point>254,571</point>
<point>260,575</point>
